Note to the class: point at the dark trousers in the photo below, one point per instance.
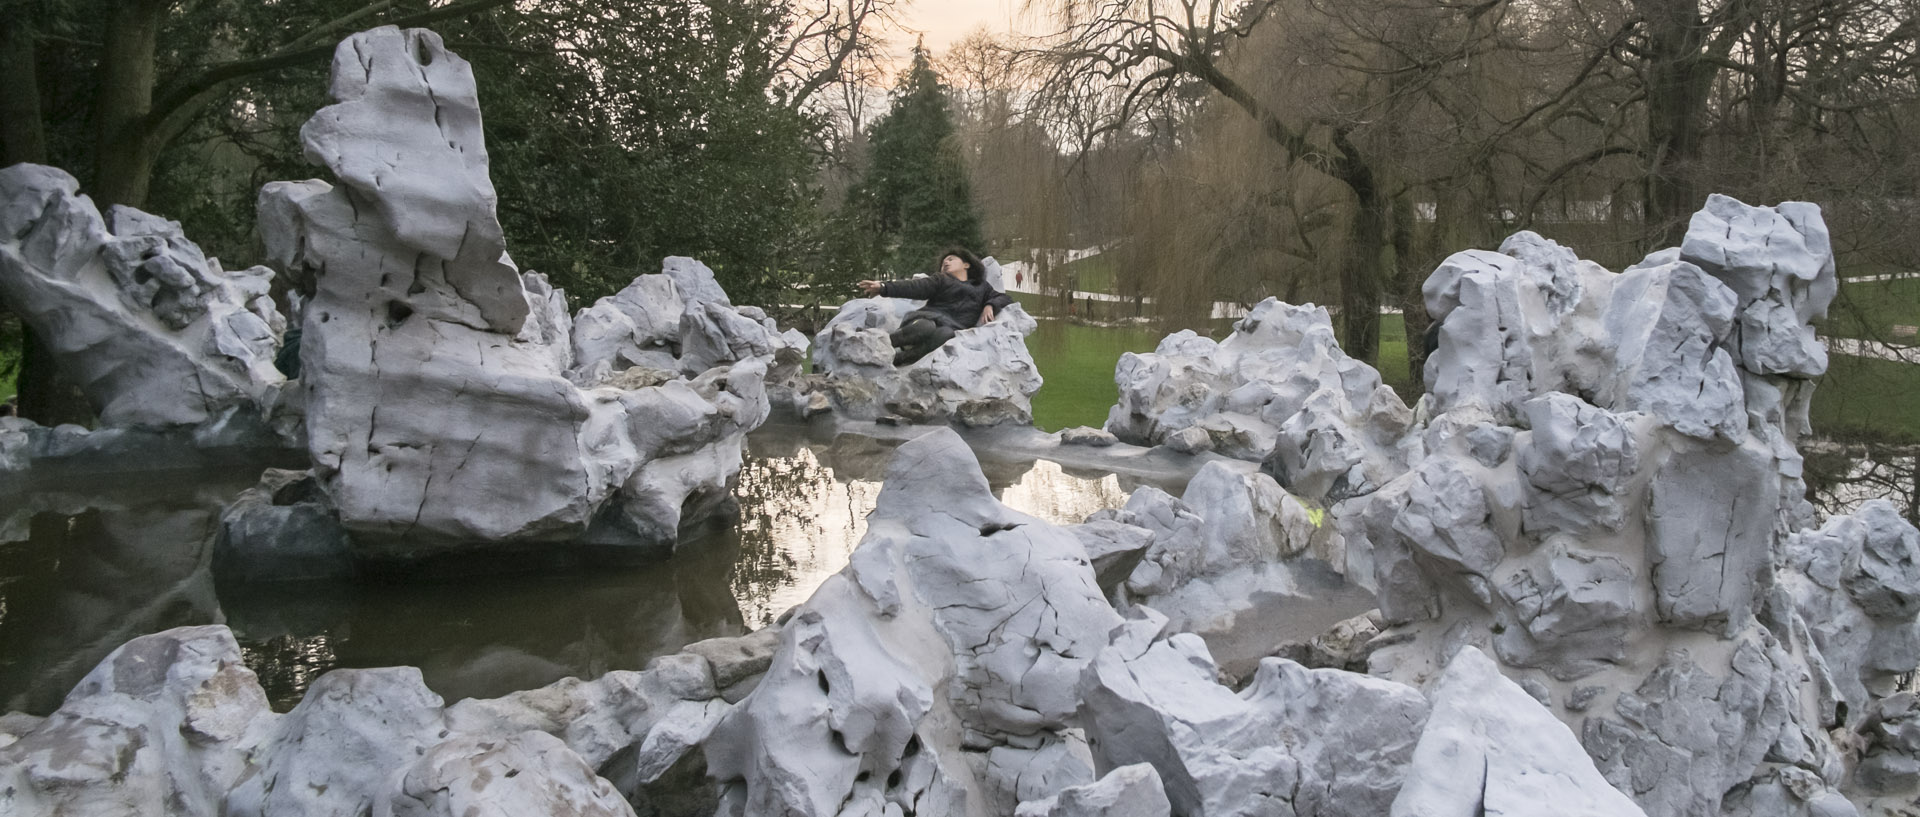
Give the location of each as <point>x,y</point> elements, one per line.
<point>917,338</point>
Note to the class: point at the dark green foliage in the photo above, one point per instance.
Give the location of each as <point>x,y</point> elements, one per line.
<point>619,131</point>
<point>915,196</point>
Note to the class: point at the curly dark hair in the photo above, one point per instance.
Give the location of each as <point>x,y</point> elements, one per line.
<point>976,271</point>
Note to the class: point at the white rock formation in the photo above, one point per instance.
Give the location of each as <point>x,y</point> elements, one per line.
<point>440,410</point>
<point>1600,498</point>
<point>675,322</point>
<point>936,673</point>
<point>174,723</point>
<point>1278,390</point>
<point>153,331</point>
<point>1222,556</point>
<point>1489,748</point>
<point>1129,791</point>
<point>984,376</point>
<point>1295,741</point>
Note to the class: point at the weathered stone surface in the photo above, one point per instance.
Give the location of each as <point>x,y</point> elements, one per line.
<point>174,723</point>
<point>1277,390</point>
<point>155,333</point>
<point>1604,498</point>
<point>1084,435</point>
<point>165,725</point>
<point>1296,741</point>
<point>272,534</point>
<point>984,376</point>
<point>1129,791</point>
<point>1489,748</point>
<point>440,410</point>
<point>528,773</point>
<point>959,623</point>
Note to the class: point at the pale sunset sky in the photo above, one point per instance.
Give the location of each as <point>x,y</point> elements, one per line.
<point>945,21</point>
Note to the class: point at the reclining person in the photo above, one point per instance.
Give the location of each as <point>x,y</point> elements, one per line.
<point>958,297</point>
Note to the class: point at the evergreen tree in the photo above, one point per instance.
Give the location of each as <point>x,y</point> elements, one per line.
<point>915,195</point>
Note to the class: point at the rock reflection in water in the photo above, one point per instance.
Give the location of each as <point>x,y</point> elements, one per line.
<point>483,636</point>
<point>82,574</point>
<point>805,504</point>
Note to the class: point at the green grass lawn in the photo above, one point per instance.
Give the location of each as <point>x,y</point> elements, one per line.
<point>1870,309</point>
<point>1077,362</point>
<point>1860,397</point>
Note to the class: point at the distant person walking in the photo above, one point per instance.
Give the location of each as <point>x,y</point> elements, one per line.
<point>958,297</point>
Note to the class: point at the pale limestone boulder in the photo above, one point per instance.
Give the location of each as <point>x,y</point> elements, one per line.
<point>441,413</point>
<point>984,376</point>
<point>1129,791</point>
<point>1278,390</point>
<point>343,747</point>
<point>957,633</point>
<point>1490,748</point>
<point>1603,499</point>
<point>174,723</point>
<point>524,774</point>
<point>155,333</point>
<point>1295,741</point>
<point>167,723</point>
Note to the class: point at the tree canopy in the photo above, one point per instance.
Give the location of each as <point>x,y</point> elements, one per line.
<point>916,195</point>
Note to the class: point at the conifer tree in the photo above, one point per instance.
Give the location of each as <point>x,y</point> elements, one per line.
<point>915,194</point>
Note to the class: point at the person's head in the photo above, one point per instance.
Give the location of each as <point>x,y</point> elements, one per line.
<point>961,264</point>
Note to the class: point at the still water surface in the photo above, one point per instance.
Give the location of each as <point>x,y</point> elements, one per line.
<point>81,572</point>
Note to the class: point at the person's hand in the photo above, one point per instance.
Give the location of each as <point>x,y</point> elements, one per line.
<point>869,288</point>
<point>986,315</point>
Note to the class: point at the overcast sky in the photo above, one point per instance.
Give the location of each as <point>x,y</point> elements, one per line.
<point>944,21</point>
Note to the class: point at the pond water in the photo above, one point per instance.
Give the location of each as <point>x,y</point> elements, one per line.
<point>85,570</point>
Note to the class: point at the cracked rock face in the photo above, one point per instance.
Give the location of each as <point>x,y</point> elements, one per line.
<point>1278,390</point>
<point>984,376</point>
<point>1295,741</point>
<point>441,412</point>
<point>956,635</point>
<point>153,331</point>
<point>1489,748</point>
<point>1603,498</point>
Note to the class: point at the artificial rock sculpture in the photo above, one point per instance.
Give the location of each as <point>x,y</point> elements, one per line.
<point>984,376</point>
<point>440,406</point>
<point>156,334</point>
<point>1600,498</point>
<point>1278,390</point>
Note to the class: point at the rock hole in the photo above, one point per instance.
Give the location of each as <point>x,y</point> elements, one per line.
<point>1840,712</point>
<point>863,776</point>
<point>324,317</point>
<point>821,676</point>
<point>913,747</point>
<point>992,528</point>
<point>397,313</point>
<point>513,773</point>
<point>420,53</point>
<point>893,780</point>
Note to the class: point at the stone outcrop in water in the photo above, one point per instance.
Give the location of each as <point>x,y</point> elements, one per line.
<point>984,376</point>
<point>1278,390</point>
<point>440,410</point>
<point>155,333</point>
<point>1601,499</point>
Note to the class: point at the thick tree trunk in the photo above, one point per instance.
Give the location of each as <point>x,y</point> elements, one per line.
<point>1410,272</point>
<point>23,136</point>
<point>1362,284</point>
<point>125,142</point>
<point>1676,38</point>
<point>45,397</point>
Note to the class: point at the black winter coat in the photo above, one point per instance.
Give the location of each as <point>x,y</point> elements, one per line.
<point>949,300</point>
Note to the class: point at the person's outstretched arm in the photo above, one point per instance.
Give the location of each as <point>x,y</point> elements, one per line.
<point>917,289</point>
